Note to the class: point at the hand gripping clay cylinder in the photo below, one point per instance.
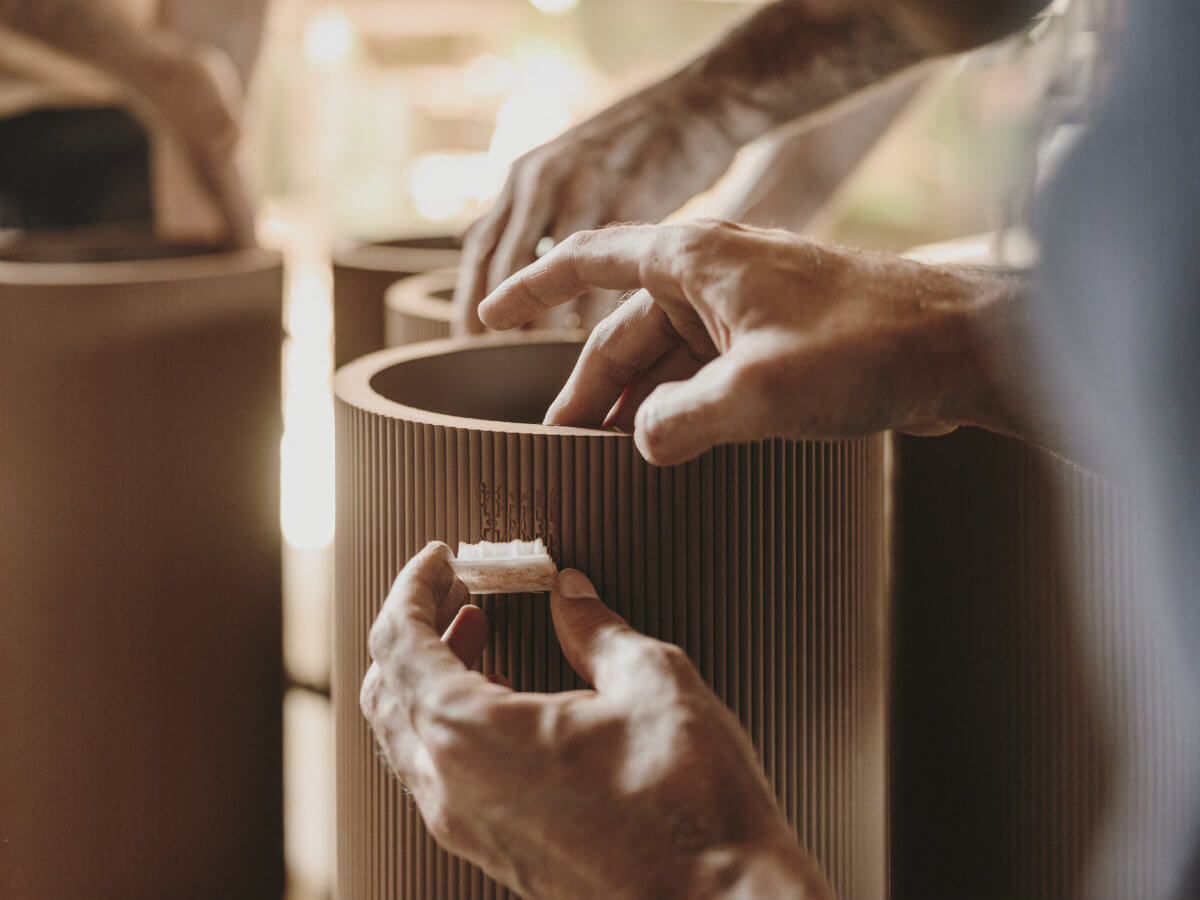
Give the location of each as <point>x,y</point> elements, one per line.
<point>361,276</point>
<point>764,561</point>
<point>419,308</point>
<point>139,571</point>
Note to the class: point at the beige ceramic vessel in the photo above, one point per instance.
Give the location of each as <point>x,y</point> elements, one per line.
<point>765,561</point>
<point>140,695</point>
<point>1016,633</point>
<point>420,308</point>
<point>362,274</point>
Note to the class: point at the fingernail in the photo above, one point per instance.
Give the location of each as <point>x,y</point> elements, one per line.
<point>442,549</point>
<point>574,585</point>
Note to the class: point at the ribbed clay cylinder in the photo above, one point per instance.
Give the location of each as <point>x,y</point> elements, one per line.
<point>419,308</point>
<point>140,701</point>
<point>764,561</point>
<point>361,276</point>
<point>1017,630</point>
<point>1018,637</point>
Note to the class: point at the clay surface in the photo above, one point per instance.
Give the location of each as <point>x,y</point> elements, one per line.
<point>1016,619</point>
<point>765,562</point>
<point>362,273</point>
<point>140,700</point>
<point>419,308</point>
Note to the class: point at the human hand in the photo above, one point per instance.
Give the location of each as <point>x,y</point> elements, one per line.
<point>645,787</point>
<point>196,91</point>
<point>638,160</point>
<point>745,334</point>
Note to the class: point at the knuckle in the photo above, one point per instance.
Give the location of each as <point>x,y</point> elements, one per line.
<point>758,381</point>
<point>453,727</point>
<point>690,249</point>
<point>575,244</point>
<point>690,238</point>
<point>526,296</point>
<point>663,431</point>
<point>482,235</point>
<point>382,636</point>
<point>711,226</point>
<point>655,435</point>
<point>368,696</point>
<point>449,829</point>
<point>700,235</point>
<point>544,165</point>
<point>529,169</point>
<point>438,821</point>
<point>668,660</point>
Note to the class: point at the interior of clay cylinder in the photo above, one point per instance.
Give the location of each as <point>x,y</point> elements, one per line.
<point>402,255</point>
<point>512,383</point>
<point>439,242</point>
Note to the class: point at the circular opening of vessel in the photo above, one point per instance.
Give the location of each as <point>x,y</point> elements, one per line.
<point>440,242</point>
<point>513,383</point>
<point>402,256</point>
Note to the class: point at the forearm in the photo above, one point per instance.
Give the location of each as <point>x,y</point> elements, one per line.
<point>785,62</point>
<point>996,383</point>
<point>806,165</point>
<point>235,26</point>
<point>782,871</point>
<point>95,32</point>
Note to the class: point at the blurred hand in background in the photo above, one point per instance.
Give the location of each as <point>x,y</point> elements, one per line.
<point>179,70</point>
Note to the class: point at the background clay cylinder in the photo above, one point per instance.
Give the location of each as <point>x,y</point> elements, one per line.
<point>419,308</point>
<point>999,762</point>
<point>140,570</point>
<point>765,562</point>
<point>1019,636</point>
<point>1017,631</point>
<point>362,274</point>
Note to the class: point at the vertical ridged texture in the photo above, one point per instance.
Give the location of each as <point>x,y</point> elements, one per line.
<point>140,700</point>
<point>361,277</point>
<point>1017,635</point>
<point>765,562</point>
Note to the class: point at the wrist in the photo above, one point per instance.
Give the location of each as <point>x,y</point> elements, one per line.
<point>985,387</point>
<point>193,86</point>
<point>793,59</point>
<point>720,103</point>
<point>777,868</point>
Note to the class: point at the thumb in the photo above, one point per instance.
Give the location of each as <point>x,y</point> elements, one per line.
<point>598,643</point>
<point>682,419</point>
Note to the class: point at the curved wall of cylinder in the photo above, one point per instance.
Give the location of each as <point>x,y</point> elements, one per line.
<point>140,568</point>
<point>765,562</point>
<point>362,274</point>
<point>419,308</point>
<point>1017,636</point>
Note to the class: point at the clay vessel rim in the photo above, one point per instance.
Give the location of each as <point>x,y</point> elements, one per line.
<point>414,295</point>
<point>379,257</point>
<point>352,384</point>
<point>219,264</point>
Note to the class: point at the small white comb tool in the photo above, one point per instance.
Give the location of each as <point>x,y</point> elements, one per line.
<point>515,567</point>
